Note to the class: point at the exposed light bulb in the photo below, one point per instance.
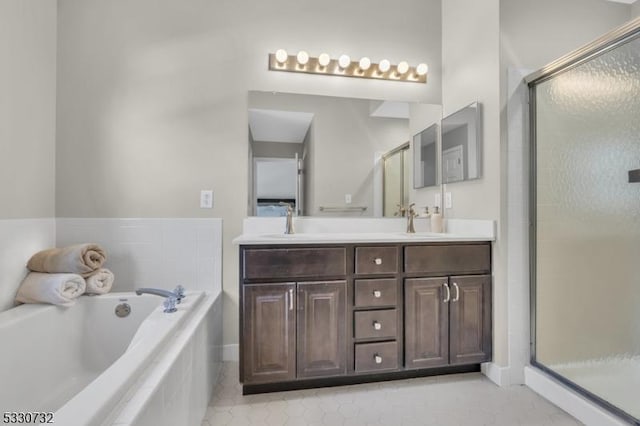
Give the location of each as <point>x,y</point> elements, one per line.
<point>422,69</point>
<point>324,59</point>
<point>364,63</point>
<point>344,61</point>
<point>403,67</point>
<point>281,56</point>
<point>384,65</point>
<point>303,57</point>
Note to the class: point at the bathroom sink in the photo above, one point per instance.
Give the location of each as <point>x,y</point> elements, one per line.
<point>289,236</point>
<point>423,235</point>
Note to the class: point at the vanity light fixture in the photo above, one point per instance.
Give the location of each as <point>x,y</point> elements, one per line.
<point>344,66</point>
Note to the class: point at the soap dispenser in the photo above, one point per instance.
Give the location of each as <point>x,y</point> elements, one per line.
<point>436,220</point>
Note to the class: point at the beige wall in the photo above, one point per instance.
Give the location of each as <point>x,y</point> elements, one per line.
<point>27,108</point>
<point>152,96</point>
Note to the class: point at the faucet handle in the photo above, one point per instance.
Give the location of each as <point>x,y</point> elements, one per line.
<point>169,304</point>
<point>179,292</point>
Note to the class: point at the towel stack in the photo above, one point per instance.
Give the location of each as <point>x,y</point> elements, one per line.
<point>60,275</point>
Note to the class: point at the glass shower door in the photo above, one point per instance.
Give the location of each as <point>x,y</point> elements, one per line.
<point>587,227</point>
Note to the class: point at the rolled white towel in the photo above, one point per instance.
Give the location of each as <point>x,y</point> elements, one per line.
<point>57,289</point>
<point>100,282</point>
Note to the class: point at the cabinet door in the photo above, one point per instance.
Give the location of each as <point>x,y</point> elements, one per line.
<point>269,340</point>
<point>426,322</point>
<point>321,327</point>
<point>470,319</point>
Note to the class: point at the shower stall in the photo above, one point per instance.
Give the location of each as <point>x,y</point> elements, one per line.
<point>585,217</point>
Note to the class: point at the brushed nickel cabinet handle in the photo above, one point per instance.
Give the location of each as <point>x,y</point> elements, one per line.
<point>377,261</point>
<point>457,296</point>
<point>377,325</point>
<point>377,294</point>
<point>377,358</point>
<point>447,293</point>
<point>291,299</point>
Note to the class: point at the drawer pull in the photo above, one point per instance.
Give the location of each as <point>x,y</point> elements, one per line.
<point>447,293</point>
<point>377,261</point>
<point>377,325</point>
<point>377,294</point>
<point>377,358</point>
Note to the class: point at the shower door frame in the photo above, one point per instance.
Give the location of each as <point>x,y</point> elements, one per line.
<point>607,42</point>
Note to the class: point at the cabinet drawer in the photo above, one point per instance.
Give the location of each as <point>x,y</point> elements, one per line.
<point>376,356</point>
<point>294,262</point>
<point>379,292</point>
<point>376,324</point>
<point>376,260</point>
<point>448,259</point>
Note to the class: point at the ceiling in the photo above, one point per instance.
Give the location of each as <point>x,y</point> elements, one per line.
<point>279,126</point>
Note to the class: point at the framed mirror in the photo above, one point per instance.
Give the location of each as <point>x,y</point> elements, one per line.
<point>425,158</point>
<point>461,138</point>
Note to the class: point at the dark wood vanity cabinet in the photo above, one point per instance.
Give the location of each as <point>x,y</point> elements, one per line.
<point>327,314</point>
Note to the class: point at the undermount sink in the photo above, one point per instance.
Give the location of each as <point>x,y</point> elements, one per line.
<point>421,234</point>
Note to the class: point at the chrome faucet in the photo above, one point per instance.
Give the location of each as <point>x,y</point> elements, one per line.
<point>177,293</point>
<point>411,213</point>
<point>289,229</point>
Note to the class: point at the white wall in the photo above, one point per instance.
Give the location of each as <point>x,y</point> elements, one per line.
<point>152,96</point>
<point>27,136</point>
<point>27,108</point>
<point>635,10</point>
<point>471,72</point>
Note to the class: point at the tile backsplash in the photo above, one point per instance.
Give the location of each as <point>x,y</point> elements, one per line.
<point>19,240</point>
<point>159,253</point>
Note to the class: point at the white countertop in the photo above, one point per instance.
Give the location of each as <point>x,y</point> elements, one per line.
<point>269,231</point>
<point>359,237</point>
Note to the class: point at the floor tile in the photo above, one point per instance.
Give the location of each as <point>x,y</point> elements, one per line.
<point>455,400</point>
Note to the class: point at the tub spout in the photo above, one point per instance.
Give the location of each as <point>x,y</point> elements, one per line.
<point>160,292</point>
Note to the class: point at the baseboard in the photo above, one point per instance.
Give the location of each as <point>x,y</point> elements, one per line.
<point>495,373</point>
<point>231,352</point>
<point>571,402</point>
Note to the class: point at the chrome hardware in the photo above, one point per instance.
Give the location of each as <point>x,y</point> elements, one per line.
<point>170,304</point>
<point>123,309</point>
<point>457,297</point>
<point>377,358</point>
<point>158,292</point>
<point>411,213</point>
<point>377,325</point>
<point>179,291</point>
<point>447,293</point>
<point>377,294</point>
<point>291,299</point>
<point>377,261</point>
<point>289,226</point>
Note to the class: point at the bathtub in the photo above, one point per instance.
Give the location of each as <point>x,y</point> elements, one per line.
<point>90,367</point>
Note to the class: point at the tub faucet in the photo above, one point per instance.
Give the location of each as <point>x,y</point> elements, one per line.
<point>289,229</point>
<point>177,294</point>
<point>411,213</point>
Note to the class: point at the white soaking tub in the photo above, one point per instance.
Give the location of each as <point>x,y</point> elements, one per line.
<point>83,363</point>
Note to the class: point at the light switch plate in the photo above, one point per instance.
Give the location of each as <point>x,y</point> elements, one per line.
<point>347,198</point>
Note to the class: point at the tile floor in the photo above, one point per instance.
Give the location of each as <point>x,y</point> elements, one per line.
<point>460,399</point>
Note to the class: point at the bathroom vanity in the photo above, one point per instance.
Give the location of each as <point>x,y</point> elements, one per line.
<point>318,310</point>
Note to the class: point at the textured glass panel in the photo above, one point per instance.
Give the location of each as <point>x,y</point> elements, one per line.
<point>588,226</point>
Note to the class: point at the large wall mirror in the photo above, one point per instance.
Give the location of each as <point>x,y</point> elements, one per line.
<point>462,145</point>
<point>321,154</point>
